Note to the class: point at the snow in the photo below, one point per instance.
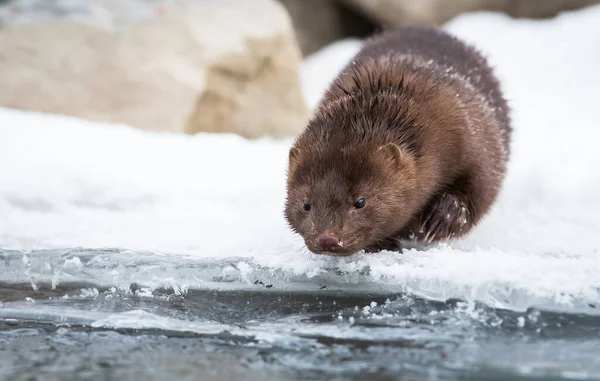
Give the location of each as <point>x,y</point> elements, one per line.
<point>66,183</point>
<point>321,67</point>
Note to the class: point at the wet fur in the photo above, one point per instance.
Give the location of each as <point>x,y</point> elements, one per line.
<point>434,104</point>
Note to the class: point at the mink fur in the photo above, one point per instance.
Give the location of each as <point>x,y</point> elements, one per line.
<point>417,126</point>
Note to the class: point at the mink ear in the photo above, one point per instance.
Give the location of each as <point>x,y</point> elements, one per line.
<point>393,154</point>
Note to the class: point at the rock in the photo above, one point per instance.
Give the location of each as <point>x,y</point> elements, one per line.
<point>161,65</point>
<point>317,23</point>
<point>545,8</point>
<point>410,12</point>
<point>436,12</point>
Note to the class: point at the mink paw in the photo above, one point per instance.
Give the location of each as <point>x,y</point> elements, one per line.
<point>445,218</point>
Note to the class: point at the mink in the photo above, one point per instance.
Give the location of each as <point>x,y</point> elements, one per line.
<point>410,142</point>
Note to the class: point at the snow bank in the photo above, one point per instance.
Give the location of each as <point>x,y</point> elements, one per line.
<point>66,182</point>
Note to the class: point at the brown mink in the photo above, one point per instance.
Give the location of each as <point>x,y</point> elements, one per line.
<point>410,142</point>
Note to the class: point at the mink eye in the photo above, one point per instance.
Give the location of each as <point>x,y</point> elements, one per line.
<point>306,205</point>
<point>360,203</point>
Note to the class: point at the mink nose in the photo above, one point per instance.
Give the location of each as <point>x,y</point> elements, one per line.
<point>327,242</point>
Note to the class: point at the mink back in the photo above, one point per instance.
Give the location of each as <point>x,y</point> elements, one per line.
<point>434,53</point>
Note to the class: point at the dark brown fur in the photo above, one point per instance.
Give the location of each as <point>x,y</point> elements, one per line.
<point>417,125</point>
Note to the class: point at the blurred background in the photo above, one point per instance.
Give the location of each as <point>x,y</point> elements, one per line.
<point>197,65</point>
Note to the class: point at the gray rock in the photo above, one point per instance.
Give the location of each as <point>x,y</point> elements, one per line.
<point>316,23</point>
<point>435,12</point>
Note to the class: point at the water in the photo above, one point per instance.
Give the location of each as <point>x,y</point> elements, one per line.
<point>91,314</point>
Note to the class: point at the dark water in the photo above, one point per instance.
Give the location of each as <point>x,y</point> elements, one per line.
<point>84,330</point>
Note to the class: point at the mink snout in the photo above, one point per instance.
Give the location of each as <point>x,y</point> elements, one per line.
<point>328,242</point>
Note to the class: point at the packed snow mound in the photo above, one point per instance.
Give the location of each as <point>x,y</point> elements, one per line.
<point>65,182</point>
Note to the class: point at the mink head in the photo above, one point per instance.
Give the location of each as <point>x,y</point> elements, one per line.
<point>343,198</point>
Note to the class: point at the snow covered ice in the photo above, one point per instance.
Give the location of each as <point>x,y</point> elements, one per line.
<point>67,183</point>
